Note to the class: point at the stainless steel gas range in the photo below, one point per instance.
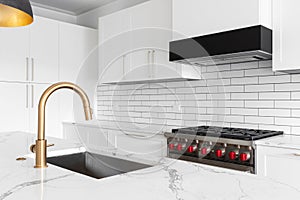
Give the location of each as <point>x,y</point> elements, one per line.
<point>219,146</point>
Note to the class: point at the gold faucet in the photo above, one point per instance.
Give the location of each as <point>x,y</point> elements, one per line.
<point>40,147</point>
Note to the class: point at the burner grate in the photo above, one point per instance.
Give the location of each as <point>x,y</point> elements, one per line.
<point>226,132</point>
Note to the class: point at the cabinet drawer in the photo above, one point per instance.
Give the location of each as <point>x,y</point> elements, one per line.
<point>279,164</point>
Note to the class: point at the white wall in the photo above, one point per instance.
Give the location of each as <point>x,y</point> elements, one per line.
<point>90,19</point>
<point>246,95</point>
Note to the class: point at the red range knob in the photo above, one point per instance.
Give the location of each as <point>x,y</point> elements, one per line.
<point>219,153</point>
<point>179,147</point>
<point>244,156</point>
<point>204,151</point>
<point>171,146</point>
<point>192,148</point>
<point>232,155</point>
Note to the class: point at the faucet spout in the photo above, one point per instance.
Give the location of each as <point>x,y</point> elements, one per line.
<point>41,143</point>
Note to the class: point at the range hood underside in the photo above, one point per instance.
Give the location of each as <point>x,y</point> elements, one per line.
<point>228,58</point>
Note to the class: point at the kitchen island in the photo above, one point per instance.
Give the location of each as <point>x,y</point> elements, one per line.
<point>170,179</point>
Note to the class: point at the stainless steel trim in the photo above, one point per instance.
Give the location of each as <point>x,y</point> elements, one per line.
<point>149,64</point>
<point>27,69</point>
<point>229,58</point>
<point>153,63</point>
<point>209,139</point>
<point>26,97</point>
<point>32,69</point>
<point>32,96</point>
<point>214,163</point>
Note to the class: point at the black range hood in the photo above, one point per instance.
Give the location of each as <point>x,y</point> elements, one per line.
<point>235,46</point>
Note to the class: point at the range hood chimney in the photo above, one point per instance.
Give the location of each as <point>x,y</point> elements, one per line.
<point>235,46</point>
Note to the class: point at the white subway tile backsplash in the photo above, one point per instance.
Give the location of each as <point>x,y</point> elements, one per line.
<point>259,104</point>
<point>238,96</point>
<point>244,81</point>
<point>275,112</point>
<point>259,88</point>
<point>259,120</point>
<point>274,95</point>
<point>244,111</point>
<point>287,121</point>
<point>247,65</point>
<point>275,79</point>
<point>287,87</point>
<point>231,74</point>
<point>245,95</point>
<point>287,104</point>
<point>259,72</point>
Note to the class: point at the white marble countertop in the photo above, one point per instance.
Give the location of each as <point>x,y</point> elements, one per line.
<point>170,180</point>
<point>283,141</point>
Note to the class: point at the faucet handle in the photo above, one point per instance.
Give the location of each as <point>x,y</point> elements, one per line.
<point>32,147</point>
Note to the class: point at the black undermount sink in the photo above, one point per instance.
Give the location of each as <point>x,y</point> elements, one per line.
<point>95,165</point>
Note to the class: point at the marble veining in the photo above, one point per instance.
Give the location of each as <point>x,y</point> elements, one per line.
<point>28,184</point>
<point>169,180</point>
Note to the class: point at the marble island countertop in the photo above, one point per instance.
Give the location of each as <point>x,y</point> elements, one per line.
<point>171,179</point>
<point>283,141</point>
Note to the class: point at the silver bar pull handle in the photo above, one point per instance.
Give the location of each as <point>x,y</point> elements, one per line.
<point>32,96</point>
<point>27,69</point>
<point>153,64</point>
<point>32,69</point>
<point>149,64</point>
<point>26,97</point>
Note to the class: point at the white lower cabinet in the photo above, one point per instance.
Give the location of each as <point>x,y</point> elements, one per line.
<point>14,107</point>
<point>141,146</point>
<point>19,108</point>
<point>95,138</point>
<point>279,164</point>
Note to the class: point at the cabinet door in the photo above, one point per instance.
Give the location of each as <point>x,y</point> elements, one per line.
<point>279,164</point>
<point>143,147</point>
<point>286,41</point>
<point>14,107</point>
<point>14,54</point>
<point>138,65</point>
<point>77,45</point>
<point>114,43</point>
<point>53,124</point>
<point>200,17</point>
<point>44,50</point>
<point>152,30</point>
<point>162,68</point>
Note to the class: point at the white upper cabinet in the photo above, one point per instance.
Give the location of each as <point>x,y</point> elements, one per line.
<point>134,44</point>
<point>76,44</point>
<point>201,17</point>
<point>14,54</point>
<point>286,41</point>
<point>44,41</point>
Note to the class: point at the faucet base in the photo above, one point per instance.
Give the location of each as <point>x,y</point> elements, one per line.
<point>41,154</point>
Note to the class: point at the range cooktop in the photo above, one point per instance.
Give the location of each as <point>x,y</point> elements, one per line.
<point>226,132</point>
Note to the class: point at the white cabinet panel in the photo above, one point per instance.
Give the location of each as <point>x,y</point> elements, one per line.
<point>200,17</point>
<point>280,164</point>
<point>286,41</point>
<point>75,45</point>
<point>114,42</point>
<point>44,50</point>
<point>14,54</point>
<point>14,107</point>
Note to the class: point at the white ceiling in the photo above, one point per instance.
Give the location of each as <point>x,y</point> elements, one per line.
<point>74,7</point>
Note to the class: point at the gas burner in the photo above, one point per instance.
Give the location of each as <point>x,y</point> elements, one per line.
<point>226,132</point>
